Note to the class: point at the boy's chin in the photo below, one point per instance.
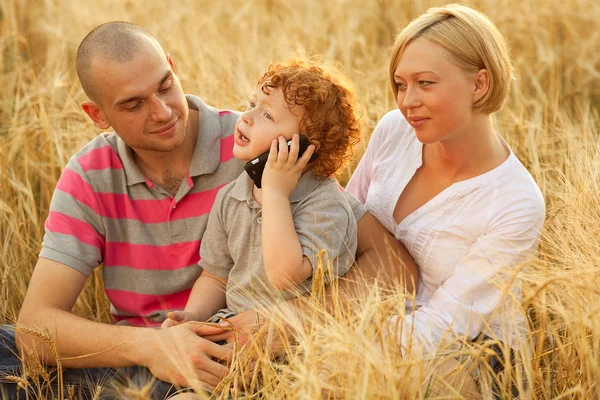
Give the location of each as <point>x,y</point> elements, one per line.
<point>244,155</point>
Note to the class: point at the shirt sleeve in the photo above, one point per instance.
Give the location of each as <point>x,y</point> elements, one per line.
<point>215,256</point>
<point>74,230</point>
<point>326,222</point>
<point>463,304</point>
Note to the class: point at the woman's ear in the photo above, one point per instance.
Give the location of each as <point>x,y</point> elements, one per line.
<point>482,84</point>
<point>96,114</point>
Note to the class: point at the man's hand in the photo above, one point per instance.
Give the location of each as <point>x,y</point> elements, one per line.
<point>180,355</point>
<point>175,318</point>
<point>283,168</point>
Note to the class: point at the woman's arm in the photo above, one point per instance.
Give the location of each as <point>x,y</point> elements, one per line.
<point>379,256</point>
<point>463,305</point>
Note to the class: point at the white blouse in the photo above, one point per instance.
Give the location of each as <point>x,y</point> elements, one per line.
<point>468,241</point>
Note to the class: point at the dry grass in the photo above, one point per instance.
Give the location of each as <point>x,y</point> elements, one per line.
<point>551,120</point>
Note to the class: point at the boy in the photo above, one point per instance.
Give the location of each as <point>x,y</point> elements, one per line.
<point>262,245</point>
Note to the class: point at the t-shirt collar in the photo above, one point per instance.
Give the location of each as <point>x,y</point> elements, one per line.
<point>242,188</point>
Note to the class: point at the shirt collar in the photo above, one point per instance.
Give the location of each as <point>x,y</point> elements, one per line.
<point>132,172</point>
<point>242,188</point>
<point>207,154</point>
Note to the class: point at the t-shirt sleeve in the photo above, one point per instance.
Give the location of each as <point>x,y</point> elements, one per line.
<point>326,222</point>
<point>74,230</point>
<point>358,209</point>
<point>463,304</point>
<point>214,250</point>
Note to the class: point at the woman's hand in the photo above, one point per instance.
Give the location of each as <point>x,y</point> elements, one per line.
<point>284,168</point>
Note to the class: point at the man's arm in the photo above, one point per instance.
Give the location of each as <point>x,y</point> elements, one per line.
<point>81,343</point>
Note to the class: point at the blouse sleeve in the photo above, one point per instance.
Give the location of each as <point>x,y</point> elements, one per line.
<point>359,182</point>
<point>462,305</point>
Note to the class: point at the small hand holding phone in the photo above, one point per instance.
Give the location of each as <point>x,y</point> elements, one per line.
<point>256,166</point>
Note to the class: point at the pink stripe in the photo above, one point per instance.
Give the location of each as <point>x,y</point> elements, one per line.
<point>224,112</point>
<point>144,304</point>
<point>227,148</point>
<point>72,183</point>
<point>148,257</point>
<point>84,232</point>
<point>195,204</point>
<point>102,158</point>
<point>120,206</point>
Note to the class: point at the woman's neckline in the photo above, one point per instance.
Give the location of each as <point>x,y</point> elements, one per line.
<point>473,182</point>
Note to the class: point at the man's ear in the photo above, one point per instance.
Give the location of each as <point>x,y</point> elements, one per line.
<point>96,114</point>
<point>171,62</point>
<point>482,84</point>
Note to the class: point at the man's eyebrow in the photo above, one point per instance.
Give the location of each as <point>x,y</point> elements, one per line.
<point>167,76</point>
<point>127,100</point>
<point>134,98</point>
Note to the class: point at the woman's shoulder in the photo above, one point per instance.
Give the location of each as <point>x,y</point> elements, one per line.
<point>517,193</point>
<point>392,127</point>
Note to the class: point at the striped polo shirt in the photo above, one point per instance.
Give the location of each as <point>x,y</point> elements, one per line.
<point>105,211</point>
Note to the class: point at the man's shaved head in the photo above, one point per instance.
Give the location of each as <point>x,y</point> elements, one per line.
<point>113,42</point>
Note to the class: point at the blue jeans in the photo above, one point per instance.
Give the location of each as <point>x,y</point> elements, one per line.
<point>86,382</point>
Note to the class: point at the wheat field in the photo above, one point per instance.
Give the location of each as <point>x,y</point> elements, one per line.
<point>551,120</point>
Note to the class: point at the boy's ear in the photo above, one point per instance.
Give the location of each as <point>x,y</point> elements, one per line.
<point>96,114</point>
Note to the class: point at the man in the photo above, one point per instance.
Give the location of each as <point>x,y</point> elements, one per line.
<point>136,201</point>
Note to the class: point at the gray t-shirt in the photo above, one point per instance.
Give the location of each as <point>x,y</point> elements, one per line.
<point>325,220</point>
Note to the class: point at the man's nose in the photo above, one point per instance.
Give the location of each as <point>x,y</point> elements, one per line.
<point>160,110</point>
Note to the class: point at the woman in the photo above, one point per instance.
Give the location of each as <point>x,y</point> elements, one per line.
<point>444,183</point>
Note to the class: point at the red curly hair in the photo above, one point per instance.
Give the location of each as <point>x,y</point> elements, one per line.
<point>331,120</point>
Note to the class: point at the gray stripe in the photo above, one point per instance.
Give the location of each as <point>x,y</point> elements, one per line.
<point>64,203</point>
<point>155,282</point>
<point>136,232</point>
<point>115,181</point>
<point>58,247</point>
<point>103,139</point>
<point>156,315</point>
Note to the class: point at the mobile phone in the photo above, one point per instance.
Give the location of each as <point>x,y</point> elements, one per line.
<point>256,166</point>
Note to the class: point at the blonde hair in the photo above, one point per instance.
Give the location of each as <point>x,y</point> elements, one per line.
<point>474,43</point>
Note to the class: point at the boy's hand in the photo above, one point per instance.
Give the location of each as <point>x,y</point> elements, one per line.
<point>175,318</point>
<point>283,168</point>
